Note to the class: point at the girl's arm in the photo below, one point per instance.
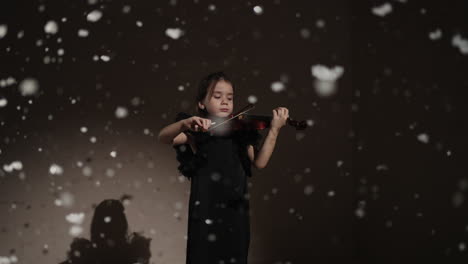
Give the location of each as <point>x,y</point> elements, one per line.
<point>173,133</point>
<point>280,115</point>
<point>266,150</point>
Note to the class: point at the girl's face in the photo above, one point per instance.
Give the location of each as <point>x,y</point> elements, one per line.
<point>221,102</point>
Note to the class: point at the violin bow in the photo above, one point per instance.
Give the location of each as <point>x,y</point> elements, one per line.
<point>242,111</point>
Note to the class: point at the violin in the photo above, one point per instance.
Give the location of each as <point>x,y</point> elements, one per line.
<point>243,121</point>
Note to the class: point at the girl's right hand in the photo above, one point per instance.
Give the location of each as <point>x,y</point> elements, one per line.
<point>196,123</point>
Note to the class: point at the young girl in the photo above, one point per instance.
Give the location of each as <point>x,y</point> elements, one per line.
<point>218,163</point>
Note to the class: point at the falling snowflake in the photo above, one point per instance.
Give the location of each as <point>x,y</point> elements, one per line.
<point>3,31</point>
<point>274,190</point>
<point>277,87</point>
<point>105,58</point>
<point>94,16</point>
<point>320,23</point>
<point>463,184</point>
<point>110,172</point>
<point>382,10</point>
<point>126,9</point>
<point>300,135</point>
<point>359,212</point>
<point>15,165</point>
<point>305,33</point>
<point>83,33</point>
<point>28,86</point>
<point>326,78</point>
<point>7,82</point>
<point>388,223</point>
<point>8,260</point>
<point>212,7</point>
<point>457,199</point>
<point>66,199</point>
<point>136,101</point>
<point>121,112</point>
<point>308,190</point>
<point>211,237</point>
<point>55,169</point>
<point>460,43</point>
<point>324,73</point>
<point>179,205</point>
<point>75,230</point>
<point>51,27</point>
<point>87,171</point>
<point>424,138</point>
<point>252,99</point>
<point>215,176</point>
<point>75,218</point>
<point>174,33</point>
<point>462,246</point>
<point>381,167</point>
<point>436,34</point>
<point>258,10</point>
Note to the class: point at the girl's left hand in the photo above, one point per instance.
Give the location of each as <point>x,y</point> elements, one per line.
<point>280,115</point>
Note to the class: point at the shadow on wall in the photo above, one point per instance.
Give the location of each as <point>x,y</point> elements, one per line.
<point>110,241</point>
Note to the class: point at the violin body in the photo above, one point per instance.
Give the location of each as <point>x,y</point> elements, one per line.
<point>251,122</point>
<point>260,122</point>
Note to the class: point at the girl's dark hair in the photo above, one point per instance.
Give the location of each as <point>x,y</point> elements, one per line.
<point>206,86</point>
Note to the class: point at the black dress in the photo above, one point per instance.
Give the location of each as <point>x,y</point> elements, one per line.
<point>218,221</point>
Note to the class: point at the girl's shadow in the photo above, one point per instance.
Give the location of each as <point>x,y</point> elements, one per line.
<point>110,242</point>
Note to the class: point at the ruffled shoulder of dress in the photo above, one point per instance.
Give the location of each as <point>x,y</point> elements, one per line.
<point>188,161</point>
